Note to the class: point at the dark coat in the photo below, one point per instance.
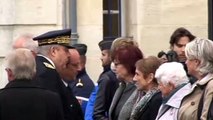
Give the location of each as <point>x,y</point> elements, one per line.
<point>150,111</point>
<point>21,100</point>
<point>121,96</point>
<point>82,92</point>
<point>86,89</point>
<point>107,86</point>
<point>47,77</point>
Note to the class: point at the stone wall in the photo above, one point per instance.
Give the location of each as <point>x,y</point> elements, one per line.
<point>150,22</point>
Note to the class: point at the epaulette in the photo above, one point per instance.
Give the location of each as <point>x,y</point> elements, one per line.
<point>48,65</point>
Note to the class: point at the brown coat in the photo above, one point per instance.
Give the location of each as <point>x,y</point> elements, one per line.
<point>189,106</point>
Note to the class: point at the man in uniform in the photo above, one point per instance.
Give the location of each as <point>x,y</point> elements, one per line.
<point>107,83</point>
<point>53,55</point>
<point>82,86</point>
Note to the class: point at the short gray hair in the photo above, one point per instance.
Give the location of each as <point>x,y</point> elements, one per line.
<point>201,49</point>
<point>171,72</point>
<point>22,63</point>
<point>45,50</point>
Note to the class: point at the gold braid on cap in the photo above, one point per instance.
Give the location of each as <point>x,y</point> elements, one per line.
<point>56,40</point>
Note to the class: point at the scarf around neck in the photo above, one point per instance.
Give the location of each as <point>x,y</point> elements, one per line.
<point>136,111</point>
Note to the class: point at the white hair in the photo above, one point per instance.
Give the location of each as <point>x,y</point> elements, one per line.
<point>27,42</point>
<point>201,49</point>
<point>22,63</point>
<point>171,72</point>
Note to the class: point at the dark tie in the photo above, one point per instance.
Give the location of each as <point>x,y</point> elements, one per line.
<point>69,90</point>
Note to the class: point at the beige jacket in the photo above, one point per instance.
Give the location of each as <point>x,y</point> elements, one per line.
<point>189,106</point>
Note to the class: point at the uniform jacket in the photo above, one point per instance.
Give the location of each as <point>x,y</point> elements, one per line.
<point>87,87</point>
<point>47,77</point>
<point>82,92</point>
<point>107,85</point>
<point>189,106</point>
<point>122,94</point>
<point>21,100</point>
<point>169,110</point>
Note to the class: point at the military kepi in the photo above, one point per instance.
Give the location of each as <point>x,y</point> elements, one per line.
<point>59,37</point>
<point>81,48</point>
<point>106,43</point>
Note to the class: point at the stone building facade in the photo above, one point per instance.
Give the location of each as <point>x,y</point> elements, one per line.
<point>150,22</point>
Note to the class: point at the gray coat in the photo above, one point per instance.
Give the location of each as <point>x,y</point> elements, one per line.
<point>121,96</point>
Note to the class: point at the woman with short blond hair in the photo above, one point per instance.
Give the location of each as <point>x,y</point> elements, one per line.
<point>195,106</point>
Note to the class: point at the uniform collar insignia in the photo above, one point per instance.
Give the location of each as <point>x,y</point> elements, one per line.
<point>79,84</point>
<point>48,65</point>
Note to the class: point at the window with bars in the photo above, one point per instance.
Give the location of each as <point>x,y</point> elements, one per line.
<point>111,18</point>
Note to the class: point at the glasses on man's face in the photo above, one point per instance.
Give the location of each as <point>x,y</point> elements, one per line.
<point>76,65</point>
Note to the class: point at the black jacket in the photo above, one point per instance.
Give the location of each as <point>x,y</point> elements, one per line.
<point>150,111</point>
<point>82,91</point>
<point>21,100</point>
<point>107,85</point>
<point>86,89</point>
<point>47,77</point>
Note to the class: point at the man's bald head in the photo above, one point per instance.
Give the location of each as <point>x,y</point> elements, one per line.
<point>75,56</point>
<point>73,67</point>
<point>26,41</point>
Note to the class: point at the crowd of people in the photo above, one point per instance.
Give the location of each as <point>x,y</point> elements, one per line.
<point>47,80</point>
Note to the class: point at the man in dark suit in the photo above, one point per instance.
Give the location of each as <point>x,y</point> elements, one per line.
<point>21,99</point>
<point>53,56</point>
<point>107,83</point>
<point>82,86</point>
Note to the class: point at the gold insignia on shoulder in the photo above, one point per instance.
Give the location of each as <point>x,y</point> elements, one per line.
<point>79,84</point>
<point>48,65</point>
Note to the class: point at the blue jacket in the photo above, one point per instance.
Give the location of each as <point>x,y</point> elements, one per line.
<point>90,105</point>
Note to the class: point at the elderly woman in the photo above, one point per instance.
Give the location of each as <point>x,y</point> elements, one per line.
<point>174,85</point>
<point>195,106</point>
<point>124,58</point>
<point>146,99</point>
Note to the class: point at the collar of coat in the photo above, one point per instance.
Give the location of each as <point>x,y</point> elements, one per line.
<point>202,83</point>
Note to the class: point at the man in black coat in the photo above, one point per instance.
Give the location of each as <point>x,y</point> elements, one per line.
<point>82,86</point>
<point>21,99</point>
<point>53,56</point>
<point>107,83</point>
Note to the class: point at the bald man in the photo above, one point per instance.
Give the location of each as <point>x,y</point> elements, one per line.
<point>70,74</point>
<point>26,41</point>
<point>23,41</point>
<point>73,67</point>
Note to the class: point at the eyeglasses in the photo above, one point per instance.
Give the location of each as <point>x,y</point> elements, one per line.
<point>116,64</point>
<point>76,65</point>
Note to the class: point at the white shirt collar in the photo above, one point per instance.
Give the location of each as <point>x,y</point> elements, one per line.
<point>66,84</point>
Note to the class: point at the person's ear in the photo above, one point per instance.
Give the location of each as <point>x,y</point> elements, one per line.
<point>197,62</point>
<point>150,77</point>
<point>10,75</point>
<point>171,85</point>
<point>53,51</point>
